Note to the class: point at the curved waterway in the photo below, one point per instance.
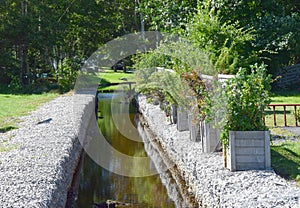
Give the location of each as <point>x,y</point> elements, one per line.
<point>98,185</point>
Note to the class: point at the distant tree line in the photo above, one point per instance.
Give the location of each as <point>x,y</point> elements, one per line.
<point>56,36</point>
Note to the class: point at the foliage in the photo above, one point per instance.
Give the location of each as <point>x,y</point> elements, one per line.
<point>35,42</point>
<point>244,98</point>
<point>167,16</point>
<point>67,74</point>
<point>166,86</point>
<point>228,44</point>
<point>197,85</point>
<point>276,24</point>
<point>183,84</point>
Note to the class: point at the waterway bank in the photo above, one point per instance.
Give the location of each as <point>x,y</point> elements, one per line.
<point>37,168</point>
<point>205,178</point>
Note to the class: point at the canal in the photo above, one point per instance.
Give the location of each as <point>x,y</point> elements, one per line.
<point>98,185</point>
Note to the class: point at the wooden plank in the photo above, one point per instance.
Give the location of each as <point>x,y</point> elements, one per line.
<point>267,151</point>
<point>232,156</point>
<point>244,142</point>
<point>249,150</point>
<point>250,166</point>
<point>250,134</point>
<point>182,120</point>
<point>251,159</point>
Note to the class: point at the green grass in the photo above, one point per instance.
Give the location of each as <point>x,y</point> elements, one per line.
<point>14,106</point>
<point>285,156</point>
<point>288,97</point>
<point>286,160</point>
<point>114,77</point>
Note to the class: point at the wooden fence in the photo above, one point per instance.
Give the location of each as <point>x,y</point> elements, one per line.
<point>288,76</point>
<point>284,106</point>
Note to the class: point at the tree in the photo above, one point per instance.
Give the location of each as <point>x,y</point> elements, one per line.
<point>227,44</point>
<point>168,15</point>
<point>276,23</point>
<point>33,41</point>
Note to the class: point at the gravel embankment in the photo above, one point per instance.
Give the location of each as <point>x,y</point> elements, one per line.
<point>38,159</point>
<point>206,177</point>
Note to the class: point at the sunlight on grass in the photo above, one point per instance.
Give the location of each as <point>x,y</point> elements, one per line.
<point>289,97</point>
<point>286,160</point>
<point>112,76</point>
<point>14,106</point>
<point>109,76</point>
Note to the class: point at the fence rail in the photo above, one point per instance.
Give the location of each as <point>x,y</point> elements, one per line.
<point>273,106</point>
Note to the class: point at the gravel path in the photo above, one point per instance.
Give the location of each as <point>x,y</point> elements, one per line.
<point>294,130</point>
<point>213,185</point>
<point>37,164</point>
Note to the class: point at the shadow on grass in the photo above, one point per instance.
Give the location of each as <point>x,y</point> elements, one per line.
<point>287,93</point>
<point>7,128</point>
<point>285,162</point>
<point>30,89</point>
<point>279,112</point>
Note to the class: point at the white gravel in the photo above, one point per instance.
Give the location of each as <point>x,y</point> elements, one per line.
<point>37,165</point>
<point>212,184</point>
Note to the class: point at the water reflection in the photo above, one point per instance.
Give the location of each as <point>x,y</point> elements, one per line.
<point>98,184</point>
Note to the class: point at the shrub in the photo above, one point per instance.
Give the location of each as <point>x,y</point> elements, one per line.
<point>246,96</point>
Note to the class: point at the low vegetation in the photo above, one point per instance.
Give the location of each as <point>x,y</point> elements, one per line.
<point>286,160</point>
<point>285,156</point>
<point>287,97</point>
<point>13,106</point>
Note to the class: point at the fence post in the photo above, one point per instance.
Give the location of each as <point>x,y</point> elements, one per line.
<point>274,114</point>
<point>284,110</point>
<point>296,121</point>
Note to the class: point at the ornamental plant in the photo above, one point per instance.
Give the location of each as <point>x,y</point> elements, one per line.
<point>197,85</point>
<point>244,98</point>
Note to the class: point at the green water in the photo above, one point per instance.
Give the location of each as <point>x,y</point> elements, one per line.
<point>99,185</point>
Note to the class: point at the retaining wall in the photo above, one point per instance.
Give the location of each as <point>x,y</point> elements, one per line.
<point>204,176</point>
<point>38,171</point>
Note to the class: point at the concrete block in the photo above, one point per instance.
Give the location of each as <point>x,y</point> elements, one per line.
<point>249,150</point>
<point>196,133</point>
<point>211,138</point>
<point>182,120</point>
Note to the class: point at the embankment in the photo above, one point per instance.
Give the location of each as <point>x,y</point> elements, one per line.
<point>204,177</point>
<point>37,166</point>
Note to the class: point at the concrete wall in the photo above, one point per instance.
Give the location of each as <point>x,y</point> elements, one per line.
<point>249,150</point>
<point>83,110</point>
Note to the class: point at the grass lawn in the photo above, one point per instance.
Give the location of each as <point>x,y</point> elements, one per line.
<point>288,97</point>
<point>109,76</point>
<point>14,106</point>
<point>285,156</point>
<point>286,160</point>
